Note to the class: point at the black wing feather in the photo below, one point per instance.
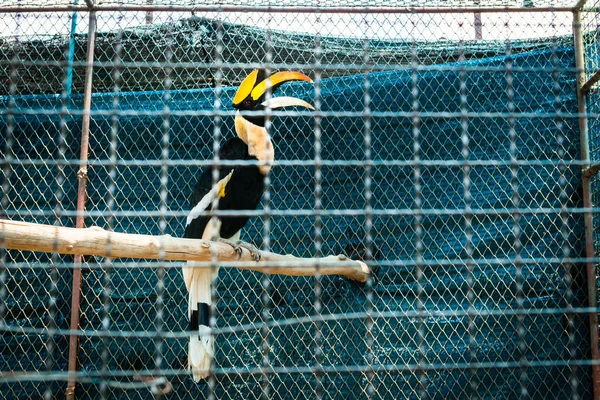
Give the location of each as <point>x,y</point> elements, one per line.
<point>243,191</point>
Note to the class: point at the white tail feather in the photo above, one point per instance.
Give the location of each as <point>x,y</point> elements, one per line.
<point>200,355</point>
<point>201,346</point>
<point>197,281</point>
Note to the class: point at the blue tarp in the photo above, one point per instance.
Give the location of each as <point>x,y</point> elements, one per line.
<point>498,339</point>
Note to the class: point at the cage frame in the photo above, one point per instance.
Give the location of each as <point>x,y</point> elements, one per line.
<point>585,81</point>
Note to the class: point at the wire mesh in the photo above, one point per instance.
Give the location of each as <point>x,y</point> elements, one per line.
<point>451,164</point>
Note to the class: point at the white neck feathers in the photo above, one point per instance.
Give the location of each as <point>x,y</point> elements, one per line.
<point>258,140</point>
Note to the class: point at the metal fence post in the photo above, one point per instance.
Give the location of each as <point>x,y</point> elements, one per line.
<point>587,199</point>
<point>81,198</point>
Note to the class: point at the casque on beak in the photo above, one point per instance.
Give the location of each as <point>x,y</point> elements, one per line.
<point>254,88</point>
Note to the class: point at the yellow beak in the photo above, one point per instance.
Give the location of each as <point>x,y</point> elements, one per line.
<point>276,79</point>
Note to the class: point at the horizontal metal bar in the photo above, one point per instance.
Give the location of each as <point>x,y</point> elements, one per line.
<point>459,163</point>
<point>367,67</point>
<point>284,9</point>
<point>390,263</point>
<point>322,114</point>
<point>318,318</point>
<point>100,377</point>
<point>390,212</point>
<point>590,82</point>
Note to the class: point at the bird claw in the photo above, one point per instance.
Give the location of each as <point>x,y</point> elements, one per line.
<point>254,251</point>
<point>233,244</point>
<point>237,247</point>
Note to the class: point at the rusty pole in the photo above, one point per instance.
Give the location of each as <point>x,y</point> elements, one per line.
<point>587,200</point>
<point>82,177</point>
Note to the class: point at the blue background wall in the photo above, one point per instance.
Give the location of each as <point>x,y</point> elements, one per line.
<point>543,82</point>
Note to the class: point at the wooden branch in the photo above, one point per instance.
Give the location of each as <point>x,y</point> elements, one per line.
<point>96,241</point>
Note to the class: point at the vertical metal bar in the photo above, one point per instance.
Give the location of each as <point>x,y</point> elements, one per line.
<point>368,193</point>
<point>110,204</point>
<point>564,215</point>
<point>478,27</point>
<point>18,21</point>
<point>71,56</point>
<point>164,193</point>
<point>265,314</point>
<point>318,208</point>
<point>579,5</point>
<point>468,222</point>
<point>477,22</point>
<point>58,212</point>
<point>217,134</point>
<point>579,64</point>
<point>516,226</point>
<point>149,13</point>
<point>418,215</point>
<point>587,201</point>
<point>82,178</point>
<point>7,170</point>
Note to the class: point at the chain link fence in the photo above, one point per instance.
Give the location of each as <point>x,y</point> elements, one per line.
<point>444,150</point>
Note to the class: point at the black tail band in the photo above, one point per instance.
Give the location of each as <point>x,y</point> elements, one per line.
<point>201,316</point>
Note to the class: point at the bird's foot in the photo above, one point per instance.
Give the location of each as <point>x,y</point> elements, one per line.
<point>238,245</point>
<point>233,244</point>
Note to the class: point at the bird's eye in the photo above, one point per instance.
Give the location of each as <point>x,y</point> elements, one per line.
<point>248,102</point>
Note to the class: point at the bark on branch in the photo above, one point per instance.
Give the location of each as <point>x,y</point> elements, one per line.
<point>96,241</point>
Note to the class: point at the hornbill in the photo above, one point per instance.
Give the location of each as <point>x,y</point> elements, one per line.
<point>237,188</point>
